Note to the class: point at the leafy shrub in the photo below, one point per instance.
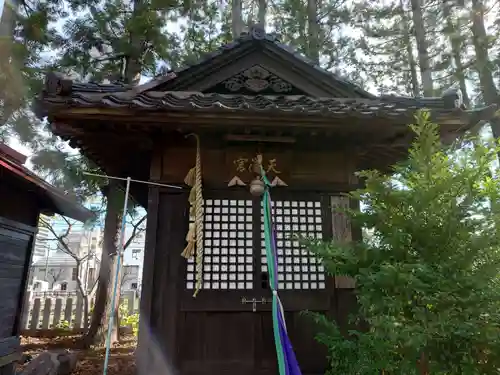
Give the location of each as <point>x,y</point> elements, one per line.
<point>127,320</point>
<point>427,283</point>
<point>63,324</point>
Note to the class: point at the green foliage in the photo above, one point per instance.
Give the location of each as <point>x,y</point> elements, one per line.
<point>117,39</point>
<point>27,33</point>
<point>64,324</point>
<point>428,280</point>
<point>127,320</point>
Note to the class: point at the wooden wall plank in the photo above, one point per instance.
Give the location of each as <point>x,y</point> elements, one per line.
<point>47,307</point>
<point>57,313</point>
<point>311,170</point>
<point>35,315</point>
<point>68,310</point>
<point>78,313</point>
<point>25,312</point>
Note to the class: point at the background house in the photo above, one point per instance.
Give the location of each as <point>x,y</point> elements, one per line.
<point>55,270</point>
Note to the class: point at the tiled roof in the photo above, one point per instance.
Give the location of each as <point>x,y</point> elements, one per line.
<point>64,93</point>
<point>389,106</point>
<point>101,87</point>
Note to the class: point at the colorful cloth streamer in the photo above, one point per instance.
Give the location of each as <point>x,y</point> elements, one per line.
<point>287,362</point>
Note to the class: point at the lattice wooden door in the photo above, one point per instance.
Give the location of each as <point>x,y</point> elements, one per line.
<point>230,319</point>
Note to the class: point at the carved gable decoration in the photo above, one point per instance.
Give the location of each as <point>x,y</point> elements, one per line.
<point>256,80</point>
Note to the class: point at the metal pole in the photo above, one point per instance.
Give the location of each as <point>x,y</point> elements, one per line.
<point>132,180</point>
<point>117,273</point>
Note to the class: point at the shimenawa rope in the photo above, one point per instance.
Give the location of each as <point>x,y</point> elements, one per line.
<point>195,233</point>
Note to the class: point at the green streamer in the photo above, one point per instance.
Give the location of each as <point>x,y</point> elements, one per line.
<point>271,270</point>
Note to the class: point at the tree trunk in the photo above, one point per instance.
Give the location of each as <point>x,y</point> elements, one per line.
<point>423,365</point>
<point>133,62</point>
<point>236,18</point>
<point>483,63</point>
<point>422,47</point>
<point>99,322</point>
<point>409,50</point>
<point>262,13</point>
<point>313,30</point>
<point>115,331</point>
<point>453,33</point>
<point>481,48</point>
<point>83,295</point>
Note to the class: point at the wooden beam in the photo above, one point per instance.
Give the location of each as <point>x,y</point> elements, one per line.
<point>246,121</point>
<point>139,115</point>
<point>257,138</point>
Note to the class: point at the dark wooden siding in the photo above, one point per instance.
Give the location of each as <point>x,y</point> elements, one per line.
<point>19,213</point>
<point>18,204</point>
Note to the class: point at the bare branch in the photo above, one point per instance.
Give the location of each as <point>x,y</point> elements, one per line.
<point>93,289</point>
<point>135,231</point>
<point>60,239</point>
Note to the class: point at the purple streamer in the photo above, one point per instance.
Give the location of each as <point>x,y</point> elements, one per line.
<point>291,364</point>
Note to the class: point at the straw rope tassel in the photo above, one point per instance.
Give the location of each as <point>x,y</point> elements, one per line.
<point>198,220</point>
<point>195,233</point>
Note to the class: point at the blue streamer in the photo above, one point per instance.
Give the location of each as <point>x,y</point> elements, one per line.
<point>287,361</point>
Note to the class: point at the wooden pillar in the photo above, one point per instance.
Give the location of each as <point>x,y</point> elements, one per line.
<point>162,277</point>
<point>145,345</point>
<point>162,284</point>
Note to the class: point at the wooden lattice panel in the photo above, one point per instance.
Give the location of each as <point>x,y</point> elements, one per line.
<point>228,260</point>
<point>297,268</point>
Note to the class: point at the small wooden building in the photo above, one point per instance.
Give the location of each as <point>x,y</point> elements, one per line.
<point>24,196</point>
<point>252,96</point>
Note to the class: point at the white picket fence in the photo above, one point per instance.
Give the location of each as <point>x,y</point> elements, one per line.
<point>62,312</point>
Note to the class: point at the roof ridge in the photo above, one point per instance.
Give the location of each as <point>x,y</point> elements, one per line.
<point>254,33</point>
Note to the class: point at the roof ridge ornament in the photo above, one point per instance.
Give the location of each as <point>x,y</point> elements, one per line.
<point>453,98</point>
<point>258,32</point>
<point>257,79</point>
<point>58,84</point>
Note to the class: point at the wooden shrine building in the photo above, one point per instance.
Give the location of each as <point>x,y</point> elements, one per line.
<point>24,196</point>
<point>313,130</point>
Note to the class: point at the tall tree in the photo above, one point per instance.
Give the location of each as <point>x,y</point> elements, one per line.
<point>313,30</point>
<point>387,46</point>
<point>453,32</point>
<point>482,45</point>
<point>26,33</point>
<point>422,47</point>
